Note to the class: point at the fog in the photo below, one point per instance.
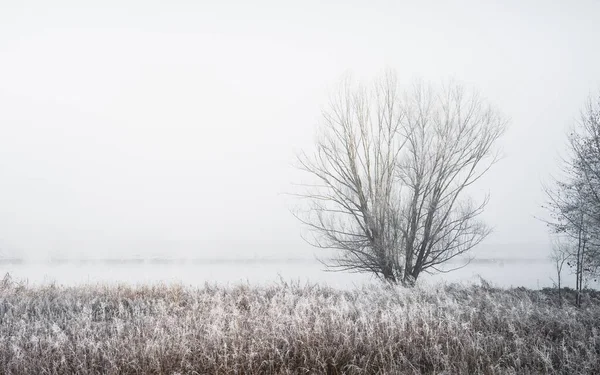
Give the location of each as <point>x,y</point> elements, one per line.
<point>151,129</point>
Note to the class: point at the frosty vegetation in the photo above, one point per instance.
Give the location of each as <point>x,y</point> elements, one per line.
<point>294,329</point>
<point>574,200</point>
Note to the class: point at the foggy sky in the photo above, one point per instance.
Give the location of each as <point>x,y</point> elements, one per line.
<point>145,128</point>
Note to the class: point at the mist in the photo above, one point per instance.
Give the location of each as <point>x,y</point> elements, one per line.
<point>152,130</point>
<point>177,179</point>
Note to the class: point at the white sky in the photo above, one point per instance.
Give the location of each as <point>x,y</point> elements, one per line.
<point>170,127</point>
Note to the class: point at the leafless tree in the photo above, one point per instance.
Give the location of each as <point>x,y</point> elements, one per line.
<point>574,199</point>
<point>392,168</point>
<point>571,225</point>
<point>561,253</point>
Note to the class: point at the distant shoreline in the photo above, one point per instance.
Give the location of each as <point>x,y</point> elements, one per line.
<point>157,260</point>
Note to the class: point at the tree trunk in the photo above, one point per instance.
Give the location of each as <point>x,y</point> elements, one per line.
<point>559,289</point>
<point>388,274</point>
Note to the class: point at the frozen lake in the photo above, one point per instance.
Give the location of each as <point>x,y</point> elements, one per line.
<point>531,273</point>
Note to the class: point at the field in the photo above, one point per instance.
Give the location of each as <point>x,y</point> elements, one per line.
<point>294,329</point>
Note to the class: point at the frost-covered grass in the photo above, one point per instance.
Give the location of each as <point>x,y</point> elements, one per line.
<point>295,329</point>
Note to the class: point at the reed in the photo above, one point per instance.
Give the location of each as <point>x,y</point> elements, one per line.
<point>293,329</point>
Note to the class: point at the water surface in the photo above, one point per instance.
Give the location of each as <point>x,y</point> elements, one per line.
<point>530,273</point>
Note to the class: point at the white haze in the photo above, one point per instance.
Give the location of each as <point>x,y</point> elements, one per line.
<point>170,128</point>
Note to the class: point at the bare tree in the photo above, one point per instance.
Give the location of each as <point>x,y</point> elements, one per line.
<point>571,224</point>
<point>574,199</point>
<point>561,253</point>
<point>392,169</point>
